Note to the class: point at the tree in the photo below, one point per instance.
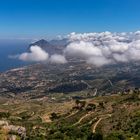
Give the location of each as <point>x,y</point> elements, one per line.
<point>90,107</point>
<point>77,102</point>
<point>115,136</point>
<point>101,104</point>
<point>54,116</point>
<point>80,104</point>
<point>96,136</point>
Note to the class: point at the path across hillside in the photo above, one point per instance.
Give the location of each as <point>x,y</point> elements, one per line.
<point>99,120</point>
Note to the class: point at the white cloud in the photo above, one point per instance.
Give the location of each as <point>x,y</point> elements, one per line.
<point>13,56</point>
<point>82,49</point>
<point>95,48</point>
<point>105,47</point>
<point>58,59</point>
<point>36,54</point>
<point>99,61</point>
<point>117,47</point>
<point>120,57</point>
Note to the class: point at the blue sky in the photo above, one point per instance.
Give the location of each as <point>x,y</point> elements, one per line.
<point>42,18</point>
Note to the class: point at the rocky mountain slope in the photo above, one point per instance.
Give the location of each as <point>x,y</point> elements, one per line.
<point>52,46</point>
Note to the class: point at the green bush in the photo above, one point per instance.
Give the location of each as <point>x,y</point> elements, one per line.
<point>4,114</point>
<point>115,136</point>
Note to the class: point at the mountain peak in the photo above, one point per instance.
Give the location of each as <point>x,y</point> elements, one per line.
<point>42,43</point>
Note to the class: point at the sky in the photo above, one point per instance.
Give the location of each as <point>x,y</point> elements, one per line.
<point>49,18</point>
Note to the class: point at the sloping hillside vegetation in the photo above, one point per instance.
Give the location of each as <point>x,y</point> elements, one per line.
<point>115,117</point>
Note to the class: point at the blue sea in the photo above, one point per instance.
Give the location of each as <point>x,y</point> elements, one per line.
<point>12,47</point>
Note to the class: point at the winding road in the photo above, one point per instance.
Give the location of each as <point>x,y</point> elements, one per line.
<point>99,120</point>
<point>83,117</point>
<point>94,127</point>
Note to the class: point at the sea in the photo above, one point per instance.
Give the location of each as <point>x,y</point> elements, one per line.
<point>12,47</point>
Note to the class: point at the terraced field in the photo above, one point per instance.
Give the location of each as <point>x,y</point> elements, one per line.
<point>113,117</point>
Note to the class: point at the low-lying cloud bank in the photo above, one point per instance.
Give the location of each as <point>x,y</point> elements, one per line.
<point>96,48</point>
<point>37,54</point>
<point>105,48</point>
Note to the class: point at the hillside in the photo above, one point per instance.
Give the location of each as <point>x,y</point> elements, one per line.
<point>74,101</point>
<point>113,117</point>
